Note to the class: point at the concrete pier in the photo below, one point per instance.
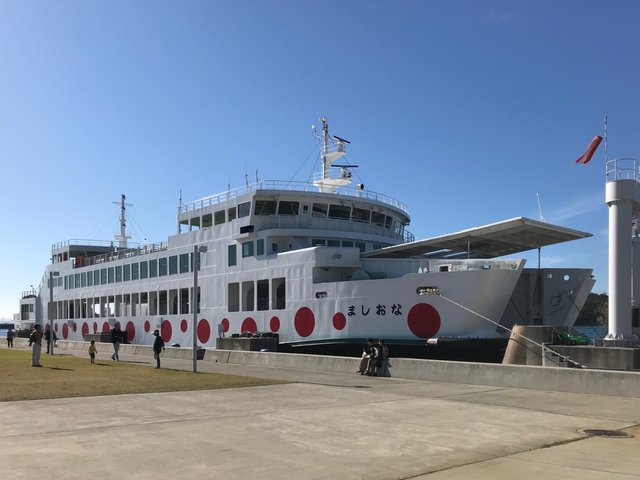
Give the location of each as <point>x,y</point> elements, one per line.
<point>329,424</point>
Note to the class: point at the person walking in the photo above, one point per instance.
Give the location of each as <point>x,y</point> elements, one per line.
<point>35,341</point>
<point>158,347</point>
<point>10,338</point>
<point>116,338</point>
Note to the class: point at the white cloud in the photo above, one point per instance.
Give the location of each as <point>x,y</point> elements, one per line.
<point>581,206</point>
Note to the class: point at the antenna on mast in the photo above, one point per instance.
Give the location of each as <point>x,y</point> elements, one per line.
<point>123,237</point>
<point>179,210</point>
<point>606,155</point>
<point>540,208</point>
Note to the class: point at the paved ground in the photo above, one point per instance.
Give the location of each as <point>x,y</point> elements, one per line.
<point>325,426</point>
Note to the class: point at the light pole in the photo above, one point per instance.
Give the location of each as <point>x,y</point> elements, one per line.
<point>50,309</point>
<point>197,250</point>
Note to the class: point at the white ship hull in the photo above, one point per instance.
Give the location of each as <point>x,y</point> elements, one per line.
<point>311,262</point>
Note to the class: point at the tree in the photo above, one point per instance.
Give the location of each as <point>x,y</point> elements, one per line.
<point>595,311</point>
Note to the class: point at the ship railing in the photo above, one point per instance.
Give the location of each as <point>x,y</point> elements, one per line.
<point>29,293</point>
<point>125,253</point>
<point>287,185</point>
<point>622,169</point>
<point>61,246</point>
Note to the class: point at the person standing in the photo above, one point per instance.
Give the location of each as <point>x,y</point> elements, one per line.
<point>35,341</point>
<point>10,338</point>
<point>158,347</point>
<point>47,337</point>
<point>93,351</point>
<point>116,338</point>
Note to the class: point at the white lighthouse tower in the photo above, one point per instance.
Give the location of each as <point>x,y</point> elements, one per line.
<point>623,200</point>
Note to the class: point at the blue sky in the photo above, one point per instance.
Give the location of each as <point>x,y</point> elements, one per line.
<point>463,110</point>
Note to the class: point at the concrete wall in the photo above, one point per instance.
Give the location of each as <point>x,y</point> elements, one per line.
<point>602,357</point>
<point>560,379</point>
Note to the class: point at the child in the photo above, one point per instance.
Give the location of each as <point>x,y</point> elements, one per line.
<point>93,351</point>
<point>158,346</point>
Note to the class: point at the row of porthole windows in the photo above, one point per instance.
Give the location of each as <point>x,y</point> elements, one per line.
<point>160,267</point>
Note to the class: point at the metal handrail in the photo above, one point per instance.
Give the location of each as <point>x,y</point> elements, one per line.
<point>622,169</point>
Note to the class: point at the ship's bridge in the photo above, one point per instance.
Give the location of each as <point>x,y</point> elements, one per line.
<point>272,204</point>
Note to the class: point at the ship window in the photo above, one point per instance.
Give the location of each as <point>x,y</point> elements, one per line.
<point>184,262</point>
<point>341,212</point>
<point>68,279</point>
<point>263,294</point>
<point>194,223</point>
<point>126,272</point>
<point>360,245</point>
<point>333,243</point>
<point>206,220</point>
<point>144,304</point>
<point>134,304</point>
<point>247,249</point>
<point>135,271</point>
<point>103,276</point>
<point>77,275</point>
<point>173,264</point>
<point>153,303</point>
<point>244,209</point>
<point>233,296</point>
<point>218,217</point>
<point>232,255</point>
<point>119,273</point>
<point>162,267</point>
<point>96,277</point>
<point>231,214</point>
<point>288,208</point>
<point>83,279</point>
<point>321,294</point>
<point>387,222</point>
<point>260,246</point>
<point>162,302</point>
<point>346,243</point>
<point>173,302</point>
<point>274,247</point>
<point>89,279</point>
<point>247,296</point>
<point>377,218</point>
<point>144,270</point>
<point>360,215</point>
<point>111,275</point>
<point>317,242</point>
<point>278,290</point>
<point>319,210</point>
<point>184,300</point>
<point>153,268</point>
<point>265,207</point>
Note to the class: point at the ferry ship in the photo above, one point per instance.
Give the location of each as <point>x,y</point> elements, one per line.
<point>317,263</point>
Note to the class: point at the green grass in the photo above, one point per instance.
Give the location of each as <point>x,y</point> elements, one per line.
<point>70,376</point>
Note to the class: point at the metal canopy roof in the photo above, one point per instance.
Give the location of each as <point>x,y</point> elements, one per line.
<point>495,240</point>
